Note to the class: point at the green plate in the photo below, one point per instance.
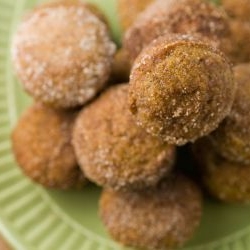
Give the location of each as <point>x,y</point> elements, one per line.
<point>34,218</point>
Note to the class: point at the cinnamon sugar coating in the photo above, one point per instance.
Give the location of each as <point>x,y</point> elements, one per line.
<point>113,151</point>
<point>240,52</point>
<point>183,17</point>
<point>225,180</point>
<point>42,147</point>
<point>93,8</point>
<point>128,11</point>
<point>163,217</point>
<point>181,88</point>
<point>232,138</point>
<point>62,54</point>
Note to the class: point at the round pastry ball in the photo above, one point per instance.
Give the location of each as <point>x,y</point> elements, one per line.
<point>183,17</point>
<point>63,54</point>
<point>239,9</point>
<point>181,88</point>
<point>42,147</point>
<point>232,138</point>
<point>240,52</point>
<point>163,217</point>
<point>128,11</point>
<point>225,180</point>
<point>112,151</point>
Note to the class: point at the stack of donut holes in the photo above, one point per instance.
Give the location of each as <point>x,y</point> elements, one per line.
<point>118,116</point>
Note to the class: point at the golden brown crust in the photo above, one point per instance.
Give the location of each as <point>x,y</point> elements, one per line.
<point>225,180</point>
<point>183,17</point>
<point>239,9</point>
<point>113,151</point>
<point>42,146</point>
<point>181,88</point>
<point>232,138</point>
<point>240,51</point>
<point>72,64</point>
<point>164,217</point>
<point>128,11</point>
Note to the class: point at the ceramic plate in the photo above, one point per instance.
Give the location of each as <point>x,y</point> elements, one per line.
<point>34,218</point>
